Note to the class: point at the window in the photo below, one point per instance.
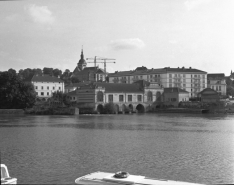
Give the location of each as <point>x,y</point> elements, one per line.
<point>59,88</point>
<point>216,88</point>
<point>170,75</point>
<point>219,88</point>
<point>170,80</point>
<point>41,87</point>
<point>173,99</point>
<point>100,96</point>
<point>110,97</point>
<point>149,96</point>
<point>42,93</point>
<point>184,75</point>
<point>48,93</point>
<point>36,87</point>
<point>184,85</point>
<point>170,85</point>
<point>139,98</point>
<point>48,87</point>
<point>129,97</point>
<point>74,98</point>
<point>121,97</point>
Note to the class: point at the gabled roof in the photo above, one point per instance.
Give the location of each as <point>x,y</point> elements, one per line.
<point>45,78</point>
<point>208,91</point>
<point>174,89</point>
<point>216,76</point>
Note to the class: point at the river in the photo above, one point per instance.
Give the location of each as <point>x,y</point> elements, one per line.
<point>58,149</point>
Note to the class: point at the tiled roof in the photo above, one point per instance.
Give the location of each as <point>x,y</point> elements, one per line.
<point>216,76</point>
<point>118,88</point>
<point>153,71</point>
<point>45,78</point>
<point>174,89</point>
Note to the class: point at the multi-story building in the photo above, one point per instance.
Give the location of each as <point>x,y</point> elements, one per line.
<point>45,85</point>
<point>217,82</point>
<point>188,79</point>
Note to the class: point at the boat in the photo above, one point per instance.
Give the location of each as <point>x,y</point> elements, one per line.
<point>124,178</point>
<point>5,177</point>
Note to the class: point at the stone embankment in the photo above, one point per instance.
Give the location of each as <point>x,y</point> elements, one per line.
<point>11,111</point>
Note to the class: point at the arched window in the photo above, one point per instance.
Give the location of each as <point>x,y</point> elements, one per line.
<point>158,96</point>
<point>149,96</point>
<point>100,96</point>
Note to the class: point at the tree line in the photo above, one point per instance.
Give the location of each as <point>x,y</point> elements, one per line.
<point>27,74</point>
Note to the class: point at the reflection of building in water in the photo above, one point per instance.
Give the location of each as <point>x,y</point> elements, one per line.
<point>91,74</point>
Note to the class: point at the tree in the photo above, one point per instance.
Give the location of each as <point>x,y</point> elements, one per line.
<point>48,71</point>
<point>57,72</point>
<point>12,71</point>
<point>14,93</point>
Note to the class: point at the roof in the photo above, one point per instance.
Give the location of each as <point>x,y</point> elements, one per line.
<point>72,93</point>
<point>144,71</point>
<point>174,89</point>
<point>216,76</point>
<point>208,91</point>
<point>45,78</point>
<point>117,88</point>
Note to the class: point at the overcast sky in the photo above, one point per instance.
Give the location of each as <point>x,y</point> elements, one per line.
<point>151,33</point>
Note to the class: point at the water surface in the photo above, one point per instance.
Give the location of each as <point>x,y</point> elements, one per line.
<point>58,149</point>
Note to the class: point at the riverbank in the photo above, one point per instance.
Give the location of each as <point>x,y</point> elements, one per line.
<point>181,110</point>
<point>11,111</point>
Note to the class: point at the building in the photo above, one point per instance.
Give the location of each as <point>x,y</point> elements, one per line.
<point>138,96</point>
<point>217,82</point>
<point>209,95</point>
<point>84,73</point>
<point>174,95</point>
<point>45,85</point>
<point>189,79</point>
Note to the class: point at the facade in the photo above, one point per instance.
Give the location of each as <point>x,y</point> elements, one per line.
<point>91,74</point>
<point>45,85</point>
<point>217,82</point>
<point>137,96</point>
<point>174,95</point>
<point>188,79</point>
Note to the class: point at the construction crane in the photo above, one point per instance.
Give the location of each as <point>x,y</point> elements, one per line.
<point>100,58</point>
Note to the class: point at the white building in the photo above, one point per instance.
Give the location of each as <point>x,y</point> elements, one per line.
<point>188,79</point>
<point>217,82</point>
<point>45,85</point>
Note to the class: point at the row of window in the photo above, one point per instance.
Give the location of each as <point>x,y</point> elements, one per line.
<point>217,88</point>
<point>184,75</point>
<point>43,93</point>
<point>48,88</point>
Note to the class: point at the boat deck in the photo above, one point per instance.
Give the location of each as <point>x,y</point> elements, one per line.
<point>107,178</point>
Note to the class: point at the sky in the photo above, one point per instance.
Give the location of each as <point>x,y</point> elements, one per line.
<point>150,33</point>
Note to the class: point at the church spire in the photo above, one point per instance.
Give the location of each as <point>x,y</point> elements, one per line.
<point>82,63</point>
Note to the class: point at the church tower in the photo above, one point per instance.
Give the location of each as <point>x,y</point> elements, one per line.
<point>82,63</point>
